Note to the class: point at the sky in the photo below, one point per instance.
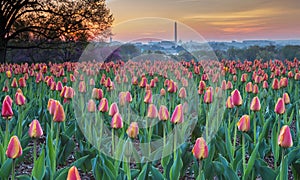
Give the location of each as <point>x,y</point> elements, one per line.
<point>211,20</point>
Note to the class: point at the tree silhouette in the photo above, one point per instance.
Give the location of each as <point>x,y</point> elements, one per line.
<point>50,20</point>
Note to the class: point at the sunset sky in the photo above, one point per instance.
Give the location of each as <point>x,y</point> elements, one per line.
<point>213,19</point>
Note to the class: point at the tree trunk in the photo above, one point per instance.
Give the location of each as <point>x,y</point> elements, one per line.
<point>3,45</point>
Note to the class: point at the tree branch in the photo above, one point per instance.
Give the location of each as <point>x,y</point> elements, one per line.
<point>34,29</point>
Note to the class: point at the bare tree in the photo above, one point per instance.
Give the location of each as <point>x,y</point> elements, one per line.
<point>50,20</point>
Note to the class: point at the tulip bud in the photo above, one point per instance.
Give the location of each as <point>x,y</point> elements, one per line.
<point>200,149</point>
<point>73,174</point>
<point>103,105</point>
<point>257,79</point>
<point>163,113</point>
<point>185,107</point>
<point>59,86</point>
<point>297,76</point>
<point>133,130</point>
<point>134,81</point>
<point>108,83</point>
<point>91,106</point>
<point>20,99</point>
<point>53,86</point>
<point>283,82</point>
<point>229,103</point>
<point>5,88</point>
<point>14,149</point>
<point>255,89</point>
<point>51,106</point>
<point>128,97</point>
<point>275,84</point>
<point>14,83</point>
<point>182,93</point>
<point>208,96</point>
<point>290,74</point>
<point>244,123</point>
<point>72,78</point>
<point>124,97</point>
<point>125,79</point>
<point>265,85</point>
<point>152,111</point>
<point>162,92</point>
<point>113,109</point>
<point>59,113</point>
<point>286,98</point>
<point>7,111</point>
<point>285,138</point>
<point>82,87</point>
<point>249,87</point>
<point>172,87</point>
<point>116,121</point>
<point>223,86</point>
<point>255,104</point>
<point>8,74</point>
<point>69,93</point>
<point>152,83</point>
<point>244,77</point>
<point>22,82</point>
<point>202,85</point>
<point>200,92</point>
<point>8,99</point>
<point>234,78</point>
<point>229,85</point>
<point>280,107</point>
<point>184,82</point>
<point>236,98</point>
<point>148,97</point>
<point>177,116</point>
<point>92,82</point>
<point>143,82</point>
<point>35,129</point>
<point>97,93</point>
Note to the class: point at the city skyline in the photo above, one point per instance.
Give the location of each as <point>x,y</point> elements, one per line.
<point>211,20</point>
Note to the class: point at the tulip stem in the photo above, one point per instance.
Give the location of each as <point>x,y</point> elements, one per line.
<point>282,161</point>
<point>234,140</point>
<point>254,130</point>
<point>101,128</point>
<point>13,169</point>
<point>229,119</point>
<point>149,137</point>
<point>34,151</point>
<point>6,133</point>
<point>244,154</point>
<point>175,141</point>
<point>52,125</point>
<point>235,131</point>
<point>164,133</point>
<point>206,122</point>
<point>57,137</point>
<point>128,169</point>
<point>277,148</point>
<point>128,112</point>
<point>170,104</point>
<point>112,141</point>
<point>200,169</point>
<point>19,122</point>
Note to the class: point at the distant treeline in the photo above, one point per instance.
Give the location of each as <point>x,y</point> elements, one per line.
<point>256,52</point>
<point>72,51</point>
<point>44,52</point>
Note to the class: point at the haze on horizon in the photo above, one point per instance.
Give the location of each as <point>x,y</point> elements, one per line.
<point>213,19</point>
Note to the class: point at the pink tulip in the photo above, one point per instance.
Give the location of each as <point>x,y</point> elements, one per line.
<point>285,138</point>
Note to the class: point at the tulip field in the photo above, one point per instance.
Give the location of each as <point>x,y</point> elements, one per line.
<point>226,119</point>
